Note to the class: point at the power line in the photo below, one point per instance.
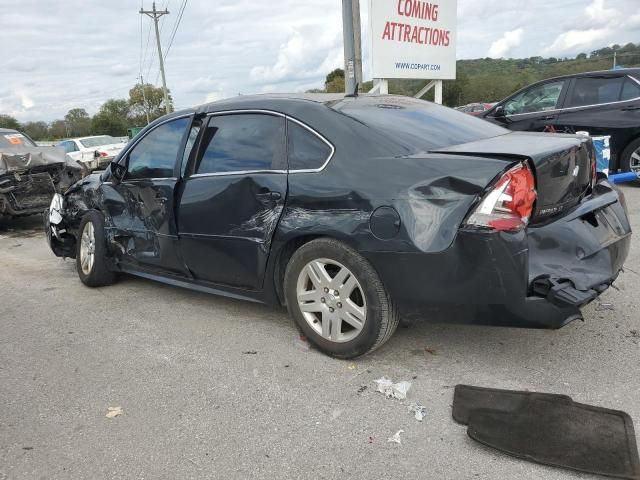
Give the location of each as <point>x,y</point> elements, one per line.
<point>174,31</point>
<point>175,28</point>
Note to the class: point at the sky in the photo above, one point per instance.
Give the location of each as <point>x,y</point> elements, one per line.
<point>78,53</point>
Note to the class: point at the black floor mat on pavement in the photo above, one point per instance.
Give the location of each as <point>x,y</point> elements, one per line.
<point>466,399</point>
<point>554,430</point>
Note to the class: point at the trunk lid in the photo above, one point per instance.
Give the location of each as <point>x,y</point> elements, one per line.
<point>562,165</point>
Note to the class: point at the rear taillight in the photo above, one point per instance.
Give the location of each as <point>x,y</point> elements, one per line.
<point>509,205</point>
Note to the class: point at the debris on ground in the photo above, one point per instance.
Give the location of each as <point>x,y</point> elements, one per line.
<point>301,343</point>
<point>393,390</point>
<point>352,367</point>
<point>431,351</point>
<point>362,388</point>
<point>250,352</point>
<point>114,412</point>
<point>396,438</point>
<point>634,334</point>
<point>418,411</point>
<point>604,307</point>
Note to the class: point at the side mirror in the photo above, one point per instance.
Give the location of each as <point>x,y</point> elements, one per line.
<point>118,172</point>
<point>499,112</point>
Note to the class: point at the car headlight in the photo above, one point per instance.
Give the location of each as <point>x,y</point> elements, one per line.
<point>55,209</point>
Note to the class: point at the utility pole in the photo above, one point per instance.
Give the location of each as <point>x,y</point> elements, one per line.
<point>349,28</point>
<point>155,15</point>
<point>144,99</point>
<point>615,60</point>
<point>357,35</point>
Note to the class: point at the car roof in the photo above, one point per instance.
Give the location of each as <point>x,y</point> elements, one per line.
<point>600,73</point>
<point>8,130</point>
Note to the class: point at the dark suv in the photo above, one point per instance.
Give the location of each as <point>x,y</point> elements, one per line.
<point>601,103</point>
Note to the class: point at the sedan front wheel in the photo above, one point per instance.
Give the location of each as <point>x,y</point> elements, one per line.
<point>337,299</point>
<point>91,250</point>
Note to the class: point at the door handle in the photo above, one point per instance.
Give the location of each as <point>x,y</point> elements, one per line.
<point>630,108</point>
<point>549,117</point>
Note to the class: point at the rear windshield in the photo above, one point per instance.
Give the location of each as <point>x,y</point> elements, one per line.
<point>98,141</point>
<point>416,124</point>
<point>14,139</point>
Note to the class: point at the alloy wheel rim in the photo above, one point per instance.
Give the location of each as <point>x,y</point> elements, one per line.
<point>635,160</point>
<point>331,300</point>
<point>87,248</point>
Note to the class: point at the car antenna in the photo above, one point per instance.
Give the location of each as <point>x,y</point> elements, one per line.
<point>355,92</point>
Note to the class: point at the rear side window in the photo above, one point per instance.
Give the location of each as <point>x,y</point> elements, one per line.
<point>242,143</point>
<point>156,154</point>
<point>306,150</point>
<point>630,90</point>
<point>594,91</point>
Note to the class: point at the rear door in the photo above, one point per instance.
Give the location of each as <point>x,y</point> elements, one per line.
<point>232,197</point>
<point>535,109</point>
<point>603,105</point>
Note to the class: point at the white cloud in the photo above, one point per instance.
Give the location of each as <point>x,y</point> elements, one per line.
<point>26,101</point>
<point>56,55</point>
<point>501,47</point>
<point>580,39</point>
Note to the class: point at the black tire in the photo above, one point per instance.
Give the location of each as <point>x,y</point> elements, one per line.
<point>626,160</point>
<point>99,274</point>
<point>381,317</point>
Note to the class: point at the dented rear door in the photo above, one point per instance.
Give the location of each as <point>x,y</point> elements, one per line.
<point>230,205</point>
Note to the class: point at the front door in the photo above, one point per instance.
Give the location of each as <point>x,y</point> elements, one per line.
<point>141,207</point>
<point>534,109</point>
<point>232,198</point>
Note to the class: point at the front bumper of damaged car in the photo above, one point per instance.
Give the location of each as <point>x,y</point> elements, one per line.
<point>538,278</point>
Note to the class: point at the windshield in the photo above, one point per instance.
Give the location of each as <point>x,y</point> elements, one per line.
<point>98,141</point>
<point>419,125</point>
<point>14,139</point>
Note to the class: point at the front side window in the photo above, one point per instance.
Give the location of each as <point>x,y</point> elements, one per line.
<point>306,150</point>
<point>241,143</point>
<point>156,154</point>
<point>536,99</point>
<point>594,91</point>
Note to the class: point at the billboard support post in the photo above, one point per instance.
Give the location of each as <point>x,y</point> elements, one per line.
<point>437,84</point>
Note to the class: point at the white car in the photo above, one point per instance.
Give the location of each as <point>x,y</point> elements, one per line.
<point>95,152</point>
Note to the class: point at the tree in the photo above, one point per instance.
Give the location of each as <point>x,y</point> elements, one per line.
<point>78,122</point>
<point>58,130</point>
<point>112,119</point>
<point>7,121</point>
<point>335,81</point>
<point>581,56</point>
<point>152,102</point>
<point>36,130</point>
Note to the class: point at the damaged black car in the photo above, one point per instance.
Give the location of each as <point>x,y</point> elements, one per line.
<point>354,213</point>
<point>31,175</point>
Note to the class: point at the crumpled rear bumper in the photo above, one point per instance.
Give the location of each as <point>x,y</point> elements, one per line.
<point>536,279</point>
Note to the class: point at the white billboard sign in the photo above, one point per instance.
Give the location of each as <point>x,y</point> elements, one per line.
<point>413,38</point>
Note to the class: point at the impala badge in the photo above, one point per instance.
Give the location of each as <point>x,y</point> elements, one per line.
<point>576,171</point>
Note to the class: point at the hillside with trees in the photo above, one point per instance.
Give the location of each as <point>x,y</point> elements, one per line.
<point>491,80</point>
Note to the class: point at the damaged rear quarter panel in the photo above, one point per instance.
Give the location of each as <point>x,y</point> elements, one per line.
<point>432,195</point>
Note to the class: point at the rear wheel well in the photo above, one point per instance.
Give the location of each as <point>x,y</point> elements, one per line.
<point>621,159</point>
<point>285,254</point>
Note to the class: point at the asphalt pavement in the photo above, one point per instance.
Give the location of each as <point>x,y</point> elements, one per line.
<point>215,388</point>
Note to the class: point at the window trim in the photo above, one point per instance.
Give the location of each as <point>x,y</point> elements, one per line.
<point>563,109</point>
<point>262,171</point>
<point>321,137</point>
